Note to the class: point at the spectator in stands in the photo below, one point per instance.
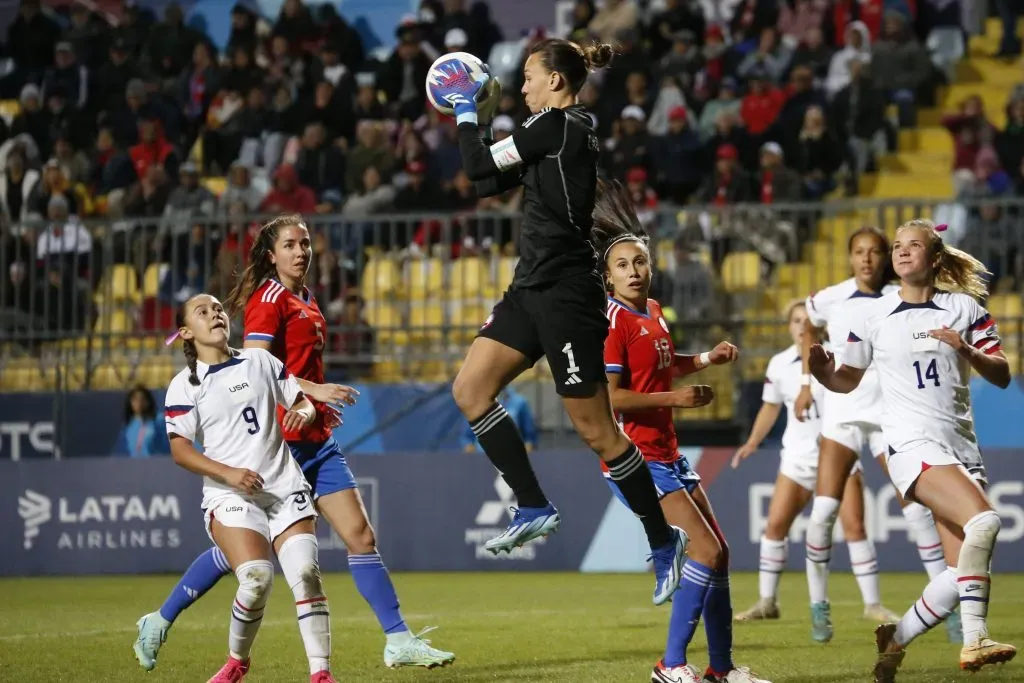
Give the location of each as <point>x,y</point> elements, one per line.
<point>73,162</point>
<point>678,159</point>
<point>171,50</point>
<point>614,17</point>
<point>111,173</point>
<point>816,155</point>
<point>295,24</point>
<point>715,52</point>
<point>288,195</point>
<point>726,101</point>
<point>223,136</point>
<point>814,54</point>
<point>190,202</point>
<point>691,287</point>
<point>199,84</point>
<point>32,120</point>
<point>761,106</point>
<point>455,40</point>
<point>62,299</point>
<point>403,77</point>
<point>265,131</point>
<point>776,183</point>
<point>30,42</point>
<point>802,95</point>
<point>629,58</point>
<point>328,108</point>
<point>1009,13</point>
<point>371,196</point>
<point>728,131</point>
<point>367,106</point>
<point>421,193</point>
<point>1009,143</point>
<point>748,18</point>
<point>371,150</point>
<point>994,238</point>
<point>800,20</point>
<point>629,146</point>
<point>774,233</point>
<point>153,149</point>
<point>15,260</point>
<point>135,27</point>
<point>144,433</point>
<point>336,33</point>
<point>241,74</point>
<point>771,58</point>
<point>65,244</point>
<point>902,66</point>
<point>683,62</point>
<point>583,12</point>
<point>55,183</point>
<point>971,132</point>
<point>677,15</point>
<point>320,165</point>
<point>17,185</point>
<point>857,48</point>
<point>124,119</point>
<point>729,184</point>
<point>859,118</point>
<point>63,119</point>
<point>87,35</point>
<point>519,409</point>
<point>484,34</point>
<point>285,67</point>
<point>990,179</point>
<point>148,197</point>
<point>241,189</point>
<point>68,75</point>
<point>356,341</point>
<point>644,198</point>
<point>243,29</point>
<point>113,77</point>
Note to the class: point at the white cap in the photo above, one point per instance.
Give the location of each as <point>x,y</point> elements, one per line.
<point>634,112</point>
<point>772,147</point>
<point>456,37</point>
<point>503,122</point>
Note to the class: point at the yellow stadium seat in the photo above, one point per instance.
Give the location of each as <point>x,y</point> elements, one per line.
<point>151,279</point>
<point>506,271</point>
<point>9,109</point>
<point>469,278</point>
<point>467,319</point>
<point>1007,311</point>
<point>389,371</point>
<point>124,284</point>
<point>381,279</point>
<point>386,321</point>
<point>112,322</point>
<point>157,372</point>
<point>215,184</point>
<point>426,321</point>
<point>425,278</point>
<point>741,271</point>
<point>111,376</point>
<point>664,255</point>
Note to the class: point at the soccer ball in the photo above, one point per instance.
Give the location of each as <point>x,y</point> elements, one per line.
<point>445,69</point>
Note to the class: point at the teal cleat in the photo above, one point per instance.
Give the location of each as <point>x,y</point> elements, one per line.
<point>954,629</point>
<point>821,622</point>
<point>415,650</point>
<point>152,634</point>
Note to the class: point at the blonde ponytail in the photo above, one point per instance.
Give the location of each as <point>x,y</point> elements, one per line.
<point>956,270</point>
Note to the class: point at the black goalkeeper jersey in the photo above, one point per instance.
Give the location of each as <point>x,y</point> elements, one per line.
<point>554,156</point>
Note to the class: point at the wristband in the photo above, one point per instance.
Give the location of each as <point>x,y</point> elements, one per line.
<point>805,380</point>
<point>704,359</point>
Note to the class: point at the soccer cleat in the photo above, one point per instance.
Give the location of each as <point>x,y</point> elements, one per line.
<point>821,622</point>
<point>954,629</point>
<point>881,614</point>
<point>152,634</point>
<point>739,674</point>
<point>232,672</point>
<point>890,655</point>
<point>765,608</point>
<point>527,524</point>
<point>668,566</point>
<point>684,673</point>
<point>985,651</point>
<point>416,651</point>
<point>322,677</point>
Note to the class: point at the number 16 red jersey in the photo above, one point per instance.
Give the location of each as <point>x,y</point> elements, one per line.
<point>296,330</point>
<point>639,348</point>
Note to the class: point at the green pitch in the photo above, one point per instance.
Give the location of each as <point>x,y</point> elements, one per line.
<point>503,627</point>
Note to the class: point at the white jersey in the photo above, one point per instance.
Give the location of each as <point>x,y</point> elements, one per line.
<point>839,309</point>
<point>925,384</point>
<point>782,386</point>
<point>233,414</point>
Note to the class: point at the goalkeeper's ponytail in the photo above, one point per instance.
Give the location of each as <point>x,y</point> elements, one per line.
<point>572,61</point>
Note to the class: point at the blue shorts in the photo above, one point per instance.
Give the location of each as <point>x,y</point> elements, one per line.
<point>324,466</point>
<point>669,477</point>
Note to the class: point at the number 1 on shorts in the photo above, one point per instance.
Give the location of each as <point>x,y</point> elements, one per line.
<point>567,350</point>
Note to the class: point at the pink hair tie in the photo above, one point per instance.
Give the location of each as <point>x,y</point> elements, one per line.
<point>941,227</point>
<point>170,340</point>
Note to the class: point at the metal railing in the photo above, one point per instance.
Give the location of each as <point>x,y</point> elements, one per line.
<point>85,305</point>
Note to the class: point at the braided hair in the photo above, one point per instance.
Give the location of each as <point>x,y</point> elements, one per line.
<point>188,346</point>
<point>614,219</point>
<point>260,267</point>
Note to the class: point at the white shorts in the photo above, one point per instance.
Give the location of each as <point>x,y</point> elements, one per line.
<point>802,467</point>
<point>906,466</point>
<point>271,521</point>
<point>855,434</point>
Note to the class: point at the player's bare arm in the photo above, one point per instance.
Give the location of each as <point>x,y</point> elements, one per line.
<point>723,354</point>
<point>627,401</point>
<point>841,380</point>
<point>992,366</point>
<point>185,455</point>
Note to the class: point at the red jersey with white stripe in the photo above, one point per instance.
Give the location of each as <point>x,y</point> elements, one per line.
<point>296,330</point>
<point>639,348</point>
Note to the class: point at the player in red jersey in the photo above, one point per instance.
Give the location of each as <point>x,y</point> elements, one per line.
<point>282,316</point>
<point>641,362</point>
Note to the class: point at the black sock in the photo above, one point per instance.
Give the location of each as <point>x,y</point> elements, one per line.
<point>630,473</point>
<point>503,444</point>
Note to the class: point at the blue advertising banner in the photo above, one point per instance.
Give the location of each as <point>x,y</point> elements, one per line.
<point>432,512</point>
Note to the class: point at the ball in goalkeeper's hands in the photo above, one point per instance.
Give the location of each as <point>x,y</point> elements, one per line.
<point>455,75</point>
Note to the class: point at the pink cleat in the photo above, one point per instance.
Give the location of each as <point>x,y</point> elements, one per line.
<point>232,672</point>
<point>322,677</point>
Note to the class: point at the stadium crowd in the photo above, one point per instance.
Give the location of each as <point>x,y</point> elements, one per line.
<point>126,118</point>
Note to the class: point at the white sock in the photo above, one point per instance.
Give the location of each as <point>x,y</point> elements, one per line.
<point>864,562</point>
<point>255,579</point>
<point>773,561</point>
<point>299,564</point>
<point>939,599</point>
<point>819,545</point>
<point>973,573</point>
<point>929,545</point>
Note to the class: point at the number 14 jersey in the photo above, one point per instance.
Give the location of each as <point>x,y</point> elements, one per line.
<point>639,349</point>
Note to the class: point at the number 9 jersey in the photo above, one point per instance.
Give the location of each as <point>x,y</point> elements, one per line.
<point>639,349</point>
<point>232,414</point>
<point>296,331</point>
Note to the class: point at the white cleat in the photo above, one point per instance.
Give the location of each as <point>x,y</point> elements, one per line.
<point>676,674</point>
<point>415,650</point>
<point>739,674</point>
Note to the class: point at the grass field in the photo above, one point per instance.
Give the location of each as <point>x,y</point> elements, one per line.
<point>503,627</point>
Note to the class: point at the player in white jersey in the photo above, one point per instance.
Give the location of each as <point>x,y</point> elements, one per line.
<point>798,470</point>
<point>851,422</point>
<point>925,339</point>
<point>256,501</point>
